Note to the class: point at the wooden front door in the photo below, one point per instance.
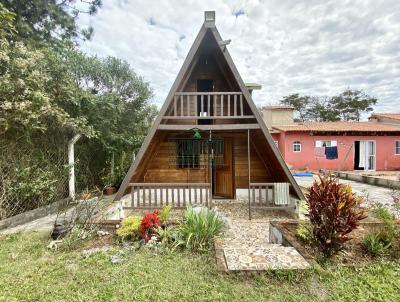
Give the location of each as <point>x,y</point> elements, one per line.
<point>223,181</point>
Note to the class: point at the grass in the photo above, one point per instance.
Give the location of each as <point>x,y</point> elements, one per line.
<point>29,272</point>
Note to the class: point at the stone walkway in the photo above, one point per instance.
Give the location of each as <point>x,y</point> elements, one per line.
<point>245,246</point>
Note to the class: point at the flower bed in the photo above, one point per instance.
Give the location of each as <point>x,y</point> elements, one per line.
<point>354,252</point>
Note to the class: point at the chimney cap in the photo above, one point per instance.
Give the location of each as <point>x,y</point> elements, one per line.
<point>209,17</point>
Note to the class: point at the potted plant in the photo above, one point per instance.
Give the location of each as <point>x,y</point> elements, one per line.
<point>110,190</point>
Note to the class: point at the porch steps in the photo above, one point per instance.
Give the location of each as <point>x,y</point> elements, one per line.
<point>245,246</point>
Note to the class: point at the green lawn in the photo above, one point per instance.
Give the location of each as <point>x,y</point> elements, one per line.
<point>29,272</point>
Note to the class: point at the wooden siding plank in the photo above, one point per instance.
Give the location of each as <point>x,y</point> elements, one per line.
<point>241,105</point>
<point>235,105</point>
<point>132,196</point>
<point>179,196</point>
<point>210,127</point>
<point>188,105</point>
<point>229,105</point>
<point>208,106</point>
<point>201,105</point>
<point>175,106</point>
<point>181,105</point>
<point>214,101</point>
<point>207,117</point>
<point>222,105</point>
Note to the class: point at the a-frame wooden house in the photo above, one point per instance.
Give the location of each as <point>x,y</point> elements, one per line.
<point>209,140</point>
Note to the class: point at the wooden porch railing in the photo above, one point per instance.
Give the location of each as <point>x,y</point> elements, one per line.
<point>207,105</point>
<point>263,195</point>
<point>178,195</point>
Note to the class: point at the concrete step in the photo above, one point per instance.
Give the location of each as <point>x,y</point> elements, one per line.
<point>265,257</point>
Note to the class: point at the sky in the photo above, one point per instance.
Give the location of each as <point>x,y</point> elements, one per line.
<point>310,47</point>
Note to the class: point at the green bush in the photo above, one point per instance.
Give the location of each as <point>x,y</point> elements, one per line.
<point>167,236</point>
<point>165,213</point>
<point>199,228</point>
<point>303,231</point>
<point>129,227</point>
<point>390,229</point>
<point>378,242</point>
<point>382,213</point>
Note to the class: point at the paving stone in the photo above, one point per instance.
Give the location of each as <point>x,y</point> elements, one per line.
<point>245,243</point>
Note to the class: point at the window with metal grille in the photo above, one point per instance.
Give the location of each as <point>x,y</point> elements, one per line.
<point>194,153</point>
<point>296,146</point>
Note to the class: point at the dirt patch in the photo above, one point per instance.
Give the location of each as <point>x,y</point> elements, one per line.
<point>353,253</point>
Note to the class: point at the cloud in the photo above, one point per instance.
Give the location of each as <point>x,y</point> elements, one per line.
<point>311,47</point>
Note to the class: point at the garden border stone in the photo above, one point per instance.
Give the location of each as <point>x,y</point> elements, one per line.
<point>34,214</point>
<point>371,180</point>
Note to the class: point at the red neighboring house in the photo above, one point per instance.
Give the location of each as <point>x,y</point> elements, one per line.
<point>372,145</point>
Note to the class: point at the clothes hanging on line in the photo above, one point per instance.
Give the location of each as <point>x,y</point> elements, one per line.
<point>331,152</point>
<point>319,151</point>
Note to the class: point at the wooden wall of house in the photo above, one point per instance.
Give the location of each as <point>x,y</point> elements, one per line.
<point>159,169</point>
<point>258,171</point>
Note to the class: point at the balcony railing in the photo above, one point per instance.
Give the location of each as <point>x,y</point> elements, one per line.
<point>207,105</point>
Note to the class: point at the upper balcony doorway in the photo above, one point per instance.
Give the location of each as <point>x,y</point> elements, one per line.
<point>207,108</point>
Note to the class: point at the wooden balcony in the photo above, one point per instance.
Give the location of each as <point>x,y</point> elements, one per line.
<point>208,105</point>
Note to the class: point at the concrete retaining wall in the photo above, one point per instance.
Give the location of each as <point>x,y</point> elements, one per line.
<point>371,180</point>
<point>33,214</point>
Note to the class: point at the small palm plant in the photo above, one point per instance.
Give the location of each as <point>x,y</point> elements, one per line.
<point>199,228</point>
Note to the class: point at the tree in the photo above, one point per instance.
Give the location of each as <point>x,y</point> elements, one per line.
<point>44,21</point>
<point>46,96</point>
<point>320,110</point>
<point>299,103</point>
<point>350,104</point>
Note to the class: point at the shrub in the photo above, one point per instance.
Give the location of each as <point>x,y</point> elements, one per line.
<point>334,212</point>
<point>149,225</point>
<point>129,227</point>
<point>382,213</point>
<point>378,243</point>
<point>165,212</point>
<point>167,236</point>
<point>303,231</point>
<point>199,228</point>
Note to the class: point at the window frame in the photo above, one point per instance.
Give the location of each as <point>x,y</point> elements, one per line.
<point>397,147</point>
<point>296,144</point>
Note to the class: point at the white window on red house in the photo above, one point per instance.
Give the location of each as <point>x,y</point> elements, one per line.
<point>276,143</point>
<point>397,148</point>
<point>325,143</point>
<point>296,146</point>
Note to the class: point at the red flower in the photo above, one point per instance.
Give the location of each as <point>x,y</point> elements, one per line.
<point>149,225</point>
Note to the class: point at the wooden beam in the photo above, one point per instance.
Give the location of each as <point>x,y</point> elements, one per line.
<point>207,117</point>
<point>248,168</point>
<point>209,93</point>
<point>209,127</point>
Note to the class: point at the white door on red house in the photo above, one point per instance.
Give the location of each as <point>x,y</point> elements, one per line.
<point>367,155</point>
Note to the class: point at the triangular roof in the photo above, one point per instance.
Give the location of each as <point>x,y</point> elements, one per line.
<point>208,26</point>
